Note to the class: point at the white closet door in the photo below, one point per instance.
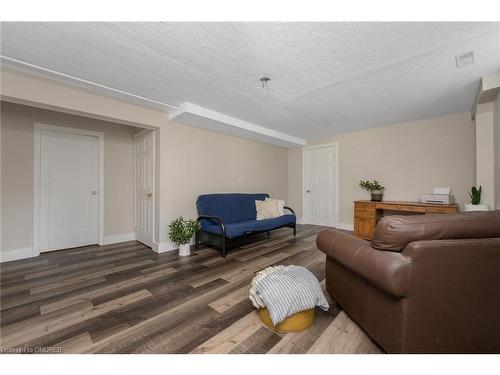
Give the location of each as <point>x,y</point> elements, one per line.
<point>144,186</point>
<point>69,190</point>
<point>320,186</point>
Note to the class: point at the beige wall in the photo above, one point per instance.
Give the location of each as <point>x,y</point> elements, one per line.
<point>295,180</point>
<point>17,171</point>
<point>34,90</point>
<point>497,151</point>
<point>408,159</point>
<point>485,153</point>
<point>196,161</point>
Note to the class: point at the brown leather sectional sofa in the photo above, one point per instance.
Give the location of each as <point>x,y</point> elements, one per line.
<point>425,284</point>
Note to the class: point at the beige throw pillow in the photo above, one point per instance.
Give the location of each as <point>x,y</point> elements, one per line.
<point>281,205</point>
<point>266,209</point>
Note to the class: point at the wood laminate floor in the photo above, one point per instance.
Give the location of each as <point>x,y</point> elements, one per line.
<point>125,298</point>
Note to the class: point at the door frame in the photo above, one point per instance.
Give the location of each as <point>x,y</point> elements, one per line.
<point>153,219</point>
<point>38,128</point>
<point>305,213</point>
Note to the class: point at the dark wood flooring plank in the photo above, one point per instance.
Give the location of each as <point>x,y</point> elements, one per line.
<point>81,275</point>
<point>106,290</point>
<point>301,342</point>
<point>75,343</point>
<point>68,269</point>
<point>89,275</point>
<point>227,339</point>
<point>214,326</point>
<point>258,343</point>
<point>19,313</point>
<point>13,336</point>
<point>19,300</point>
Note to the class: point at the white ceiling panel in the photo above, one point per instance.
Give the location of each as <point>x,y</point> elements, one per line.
<point>326,78</point>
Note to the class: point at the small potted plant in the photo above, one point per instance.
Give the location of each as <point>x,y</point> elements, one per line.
<point>374,187</point>
<point>181,232</point>
<point>475,200</point>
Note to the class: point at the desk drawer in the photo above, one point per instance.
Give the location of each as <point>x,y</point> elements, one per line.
<point>364,227</point>
<point>364,212</point>
<point>440,210</point>
<point>400,207</point>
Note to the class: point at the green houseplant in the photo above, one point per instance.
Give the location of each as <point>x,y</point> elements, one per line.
<point>475,195</point>
<point>475,200</point>
<point>374,187</point>
<point>181,232</point>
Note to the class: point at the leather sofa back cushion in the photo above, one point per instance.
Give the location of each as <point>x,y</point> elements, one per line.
<point>393,233</point>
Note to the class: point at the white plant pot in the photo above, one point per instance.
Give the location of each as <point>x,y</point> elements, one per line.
<point>185,250</point>
<point>476,207</point>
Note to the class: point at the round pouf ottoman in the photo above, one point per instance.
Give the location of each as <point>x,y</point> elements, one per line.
<point>295,323</point>
<point>286,296</point>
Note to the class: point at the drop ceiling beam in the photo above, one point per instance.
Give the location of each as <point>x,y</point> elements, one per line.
<point>194,115</point>
<point>488,89</point>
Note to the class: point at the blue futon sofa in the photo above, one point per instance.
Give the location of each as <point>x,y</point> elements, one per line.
<point>226,217</point>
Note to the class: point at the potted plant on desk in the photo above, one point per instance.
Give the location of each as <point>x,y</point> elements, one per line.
<point>475,200</point>
<point>181,232</point>
<point>374,187</point>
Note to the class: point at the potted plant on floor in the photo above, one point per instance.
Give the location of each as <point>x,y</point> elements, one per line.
<point>181,232</point>
<point>374,187</point>
<point>475,200</point>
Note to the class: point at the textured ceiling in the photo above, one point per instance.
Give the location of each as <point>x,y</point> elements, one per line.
<point>327,78</point>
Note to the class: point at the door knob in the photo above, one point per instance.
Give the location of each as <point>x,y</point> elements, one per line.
<point>149,195</point>
<point>308,191</point>
<point>94,192</point>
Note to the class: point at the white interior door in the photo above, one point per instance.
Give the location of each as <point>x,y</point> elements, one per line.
<point>320,185</point>
<point>69,176</point>
<point>144,186</point>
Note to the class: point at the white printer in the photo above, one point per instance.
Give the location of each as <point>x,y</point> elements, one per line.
<point>440,195</point>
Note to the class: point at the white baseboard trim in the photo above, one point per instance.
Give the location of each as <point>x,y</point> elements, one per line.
<point>117,238</point>
<point>163,247</point>
<point>15,254</point>
<point>27,252</point>
<point>345,226</point>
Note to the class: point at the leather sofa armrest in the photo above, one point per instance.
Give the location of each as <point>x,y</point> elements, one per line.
<point>388,271</point>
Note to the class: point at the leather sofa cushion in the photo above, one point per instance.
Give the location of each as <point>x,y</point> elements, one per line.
<point>393,233</point>
<point>239,228</point>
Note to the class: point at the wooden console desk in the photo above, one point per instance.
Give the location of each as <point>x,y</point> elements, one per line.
<point>368,213</point>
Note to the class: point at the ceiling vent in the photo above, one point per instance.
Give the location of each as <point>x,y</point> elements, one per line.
<point>464,59</point>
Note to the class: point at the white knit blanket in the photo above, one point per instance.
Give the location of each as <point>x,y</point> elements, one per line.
<point>286,290</point>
